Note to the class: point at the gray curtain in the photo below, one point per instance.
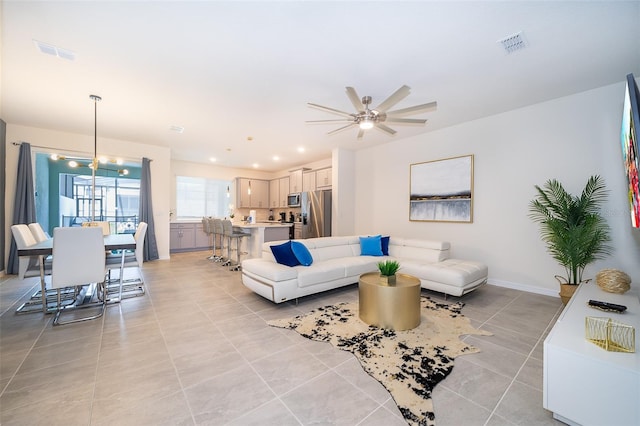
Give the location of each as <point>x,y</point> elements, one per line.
<point>24,206</point>
<point>146,212</point>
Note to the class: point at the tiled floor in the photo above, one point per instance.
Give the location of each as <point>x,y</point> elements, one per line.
<point>196,350</point>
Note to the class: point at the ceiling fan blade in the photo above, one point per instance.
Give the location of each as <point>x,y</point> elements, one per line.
<point>355,99</point>
<point>344,120</point>
<point>341,128</point>
<point>431,106</point>
<point>360,133</point>
<point>405,120</point>
<point>385,128</point>
<point>396,97</point>
<point>331,110</point>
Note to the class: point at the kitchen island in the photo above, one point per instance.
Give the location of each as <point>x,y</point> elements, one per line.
<point>262,232</point>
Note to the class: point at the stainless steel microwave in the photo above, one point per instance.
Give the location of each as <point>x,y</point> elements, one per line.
<point>293,200</point>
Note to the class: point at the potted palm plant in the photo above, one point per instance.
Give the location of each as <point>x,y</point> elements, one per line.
<point>575,232</point>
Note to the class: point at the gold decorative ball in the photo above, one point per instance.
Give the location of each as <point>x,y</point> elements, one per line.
<point>613,281</point>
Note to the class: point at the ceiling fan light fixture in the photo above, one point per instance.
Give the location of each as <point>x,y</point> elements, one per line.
<point>366,124</point>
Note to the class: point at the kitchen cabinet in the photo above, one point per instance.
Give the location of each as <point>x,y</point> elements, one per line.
<point>274,193</point>
<point>308,181</point>
<point>182,237</point>
<point>278,191</point>
<point>188,237</point>
<point>257,198</point>
<point>323,178</point>
<point>284,191</point>
<point>202,239</point>
<point>297,231</point>
<point>295,181</point>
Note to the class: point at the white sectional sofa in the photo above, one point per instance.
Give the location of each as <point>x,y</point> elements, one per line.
<point>337,262</point>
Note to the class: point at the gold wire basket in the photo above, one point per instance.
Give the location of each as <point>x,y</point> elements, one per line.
<point>611,335</point>
<point>613,281</point>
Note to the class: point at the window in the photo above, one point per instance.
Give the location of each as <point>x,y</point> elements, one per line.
<point>198,197</point>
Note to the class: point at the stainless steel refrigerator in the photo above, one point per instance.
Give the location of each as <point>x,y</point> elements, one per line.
<point>316,214</point>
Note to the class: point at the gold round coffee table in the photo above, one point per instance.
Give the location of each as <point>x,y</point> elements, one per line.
<point>393,306</point>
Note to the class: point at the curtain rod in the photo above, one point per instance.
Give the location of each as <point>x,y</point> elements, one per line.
<point>54,149</point>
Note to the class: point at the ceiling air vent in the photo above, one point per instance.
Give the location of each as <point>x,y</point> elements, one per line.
<point>513,42</point>
<point>177,129</point>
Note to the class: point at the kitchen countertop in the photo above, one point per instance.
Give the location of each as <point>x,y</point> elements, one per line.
<point>262,224</point>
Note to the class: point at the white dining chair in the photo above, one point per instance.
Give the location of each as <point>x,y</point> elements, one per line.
<point>38,232</point>
<point>134,287</point>
<point>79,262</point>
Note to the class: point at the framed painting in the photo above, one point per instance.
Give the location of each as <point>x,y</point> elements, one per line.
<point>442,190</point>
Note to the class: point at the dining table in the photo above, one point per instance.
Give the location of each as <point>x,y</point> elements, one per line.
<point>112,242</point>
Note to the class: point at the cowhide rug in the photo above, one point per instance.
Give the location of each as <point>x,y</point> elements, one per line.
<point>407,363</point>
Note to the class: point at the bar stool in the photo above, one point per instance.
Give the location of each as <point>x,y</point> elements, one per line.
<point>230,234</point>
<point>207,228</point>
<point>216,228</point>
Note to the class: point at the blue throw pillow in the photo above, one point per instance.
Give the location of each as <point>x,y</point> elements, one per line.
<point>301,252</point>
<point>384,245</point>
<point>370,246</point>
<point>284,255</point>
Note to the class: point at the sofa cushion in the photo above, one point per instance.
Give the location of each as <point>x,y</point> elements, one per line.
<point>301,253</point>
<point>269,270</point>
<point>320,273</point>
<point>453,272</point>
<point>358,265</point>
<point>370,246</point>
<point>284,254</point>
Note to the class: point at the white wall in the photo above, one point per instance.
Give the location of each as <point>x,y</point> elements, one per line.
<point>54,141</point>
<point>568,139</point>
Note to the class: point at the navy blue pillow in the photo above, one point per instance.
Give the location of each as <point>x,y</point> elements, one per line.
<point>384,245</point>
<point>301,252</point>
<point>370,246</point>
<point>284,255</point>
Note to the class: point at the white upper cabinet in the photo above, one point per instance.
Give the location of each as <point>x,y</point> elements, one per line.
<point>323,178</point>
<point>295,181</point>
<point>308,181</point>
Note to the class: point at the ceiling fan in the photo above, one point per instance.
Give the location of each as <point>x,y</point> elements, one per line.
<point>366,118</point>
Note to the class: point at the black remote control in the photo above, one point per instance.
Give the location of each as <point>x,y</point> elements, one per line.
<point>606,306</point>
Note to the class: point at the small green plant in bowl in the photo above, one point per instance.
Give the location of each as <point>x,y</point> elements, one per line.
<point>388,270</point>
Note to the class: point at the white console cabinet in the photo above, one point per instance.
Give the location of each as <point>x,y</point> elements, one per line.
<point>583,383</point>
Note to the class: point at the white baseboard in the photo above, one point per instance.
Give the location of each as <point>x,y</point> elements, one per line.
<point>523,287</point>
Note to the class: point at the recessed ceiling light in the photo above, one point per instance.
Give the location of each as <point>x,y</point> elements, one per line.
<point>177,129</point>
<point>276,158</point>
<point>255,165</point>
<point>212,159</point>
<point>50,49</point>
<point>301,149</point>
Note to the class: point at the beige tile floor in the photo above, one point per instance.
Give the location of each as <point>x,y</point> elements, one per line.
<point>196,350</point>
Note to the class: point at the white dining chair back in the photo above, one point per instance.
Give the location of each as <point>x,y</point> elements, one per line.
<point>78,260</point>
<point>78,257</point>
<point>27,265</point>
<point>141,232</point>
<point>38,232</point>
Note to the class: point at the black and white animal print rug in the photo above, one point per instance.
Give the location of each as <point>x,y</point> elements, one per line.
<point>409,364</point>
